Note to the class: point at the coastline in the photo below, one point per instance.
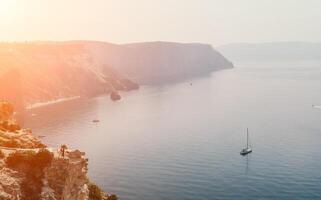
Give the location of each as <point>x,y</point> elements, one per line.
<point>47,103</point>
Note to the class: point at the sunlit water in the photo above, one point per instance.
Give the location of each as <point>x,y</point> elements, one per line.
<point>182,140</point>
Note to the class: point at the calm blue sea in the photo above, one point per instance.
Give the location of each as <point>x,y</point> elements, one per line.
<point>182,140</point>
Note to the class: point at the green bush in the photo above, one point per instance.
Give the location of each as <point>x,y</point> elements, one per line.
<point>112,197</point>
<point>42,158</point>
<point>94,192</point>
<point>32,164</point>
<point>30,158</point>
<point>19,158</point>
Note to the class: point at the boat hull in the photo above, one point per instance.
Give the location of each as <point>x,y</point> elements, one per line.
<point>245,152</point>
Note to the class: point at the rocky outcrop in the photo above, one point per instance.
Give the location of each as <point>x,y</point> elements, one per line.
<point>66,178</point>
<point>11,134</point>
<point>115,96</point>
<point>30,171</point>
<point>10,182</point>
<point>19,139</point>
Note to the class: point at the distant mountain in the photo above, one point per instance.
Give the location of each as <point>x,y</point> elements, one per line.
<point>272,51</point>
<point>46,71</point>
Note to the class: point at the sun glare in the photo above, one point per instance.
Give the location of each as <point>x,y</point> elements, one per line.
<point>6,7</point>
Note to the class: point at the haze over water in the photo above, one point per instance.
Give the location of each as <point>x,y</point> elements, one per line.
<point>182,141</point>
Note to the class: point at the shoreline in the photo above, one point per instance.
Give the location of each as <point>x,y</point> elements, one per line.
<point>52,102</point>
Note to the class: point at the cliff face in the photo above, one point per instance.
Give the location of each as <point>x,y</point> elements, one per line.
<point>159,62</point>
<point>30,171</point>
<point>63,179</point>
<point>66,178</point>
<point>47,71</point>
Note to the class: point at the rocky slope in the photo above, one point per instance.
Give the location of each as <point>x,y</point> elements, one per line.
<point>31,171</point>
<point>41,72</point>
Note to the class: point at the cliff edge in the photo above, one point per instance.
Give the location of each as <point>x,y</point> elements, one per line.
<point>29,170</point>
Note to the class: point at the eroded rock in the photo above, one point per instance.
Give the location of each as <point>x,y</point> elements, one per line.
<point>28,170</point>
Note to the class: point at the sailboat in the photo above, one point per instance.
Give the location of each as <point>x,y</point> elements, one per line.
<point>247,150</point>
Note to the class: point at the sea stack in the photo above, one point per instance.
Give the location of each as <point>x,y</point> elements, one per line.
<point>114,95</point>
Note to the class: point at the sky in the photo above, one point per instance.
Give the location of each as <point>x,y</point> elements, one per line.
<point>215,22</point>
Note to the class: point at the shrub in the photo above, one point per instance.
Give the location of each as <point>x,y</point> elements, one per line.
<point>32,164</point>
<point>19,158</point>
<point>94,192</point>
<point>112,197</point>
<point>42,158</point>
<point>30,158</point>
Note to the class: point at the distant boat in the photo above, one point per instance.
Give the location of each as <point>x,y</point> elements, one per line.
<point>95,120</point>
<point>315,106</point>
<point>247,150</point>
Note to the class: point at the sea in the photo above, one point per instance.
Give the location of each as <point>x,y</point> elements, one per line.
<point>182,140</point>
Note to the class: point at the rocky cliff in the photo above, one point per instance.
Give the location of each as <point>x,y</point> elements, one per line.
<point>29,170</point>
<point>158,62</point>
<point>46,71</point>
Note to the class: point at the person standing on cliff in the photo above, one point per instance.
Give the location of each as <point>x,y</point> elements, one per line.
<point>62,150</point>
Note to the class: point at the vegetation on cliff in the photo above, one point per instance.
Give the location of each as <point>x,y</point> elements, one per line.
<point>95,193</point>
<point>31,164</point>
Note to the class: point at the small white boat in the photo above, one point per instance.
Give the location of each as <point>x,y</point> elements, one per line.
<point>315,106</point>
<point>246,150</point>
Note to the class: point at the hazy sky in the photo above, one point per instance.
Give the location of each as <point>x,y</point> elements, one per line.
<point>122,21</point>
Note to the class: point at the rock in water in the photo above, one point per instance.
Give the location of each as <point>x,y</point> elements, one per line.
<point>115,96</point>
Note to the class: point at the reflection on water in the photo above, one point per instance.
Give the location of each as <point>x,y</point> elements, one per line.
<point>247,159</point>
<point>182,140</point>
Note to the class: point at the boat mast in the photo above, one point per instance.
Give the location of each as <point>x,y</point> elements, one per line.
<point>247,138</point>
